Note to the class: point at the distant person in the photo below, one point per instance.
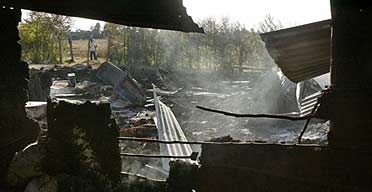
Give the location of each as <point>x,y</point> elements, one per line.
<point>92,49</point>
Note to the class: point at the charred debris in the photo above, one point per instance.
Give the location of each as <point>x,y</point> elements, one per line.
<point>107,128</point>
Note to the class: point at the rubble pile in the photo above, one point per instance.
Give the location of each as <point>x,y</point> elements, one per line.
<point>131,105</point>
<point>141,125</point>
<point>42,79</point>
<point>82,72</point>
<point>125,87</point>
<point>187,90</point>
<point>109,84</point>
<point>147,74</point>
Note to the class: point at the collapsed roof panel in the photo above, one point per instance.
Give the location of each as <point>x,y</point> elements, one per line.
<point>301,52</point>
<point>159,14</point>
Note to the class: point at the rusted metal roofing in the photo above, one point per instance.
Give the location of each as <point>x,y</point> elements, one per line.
<point>301,52</point>
<point>159,14</point>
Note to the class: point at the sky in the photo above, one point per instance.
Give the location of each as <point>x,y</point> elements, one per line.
<point>248,12</point>
<point>251,12</point>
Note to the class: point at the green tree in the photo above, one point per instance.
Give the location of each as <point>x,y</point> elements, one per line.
<point>41,37</point>
<point>112,32</point>
<point>226,46</point>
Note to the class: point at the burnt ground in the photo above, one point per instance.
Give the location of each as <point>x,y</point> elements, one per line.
<point>260,93</point>
<point>183,91</point>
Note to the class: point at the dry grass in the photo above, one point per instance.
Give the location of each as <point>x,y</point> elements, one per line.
<point>80,48</point>
<point>78,60</point>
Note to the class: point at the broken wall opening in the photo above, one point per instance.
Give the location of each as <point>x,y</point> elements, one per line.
<point>352,182</point>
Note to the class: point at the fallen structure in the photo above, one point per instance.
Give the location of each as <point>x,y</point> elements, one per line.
<point>124,85</point>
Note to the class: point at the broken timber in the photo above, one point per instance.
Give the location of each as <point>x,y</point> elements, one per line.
<point>274,116</point>
<point>193,156</point>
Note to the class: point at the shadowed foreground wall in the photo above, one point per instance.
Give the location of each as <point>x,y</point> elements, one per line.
<point>269,167</point>
<point>16,130</point>
<point>82,141</point>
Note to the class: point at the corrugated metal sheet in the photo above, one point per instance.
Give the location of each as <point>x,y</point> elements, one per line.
<point>301,52</point>
<point>287,84</point>
<point>308,103</point>
<point>169,130</point>
<point>160,14</point>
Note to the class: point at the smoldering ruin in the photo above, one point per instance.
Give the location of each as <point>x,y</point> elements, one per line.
<point>300,126</point>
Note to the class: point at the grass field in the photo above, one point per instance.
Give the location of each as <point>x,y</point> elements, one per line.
<point>80,51</point>
<point>80,48</point>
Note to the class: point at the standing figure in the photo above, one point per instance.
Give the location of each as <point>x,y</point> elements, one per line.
<point>92,49</point>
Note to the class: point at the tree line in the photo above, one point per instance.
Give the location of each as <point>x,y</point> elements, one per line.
<point>226,45</point>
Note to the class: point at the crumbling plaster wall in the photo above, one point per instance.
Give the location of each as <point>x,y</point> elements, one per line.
<point>16,130</point>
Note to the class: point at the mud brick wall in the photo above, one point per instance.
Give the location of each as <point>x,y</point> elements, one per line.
<point>16,130</point>
<point>269,167</point>
<point>82,140</point>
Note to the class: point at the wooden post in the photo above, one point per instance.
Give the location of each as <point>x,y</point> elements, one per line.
<point>88,54</point>
<point>60,49</point>
<point>108,47</point>
<point>71,51</point>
